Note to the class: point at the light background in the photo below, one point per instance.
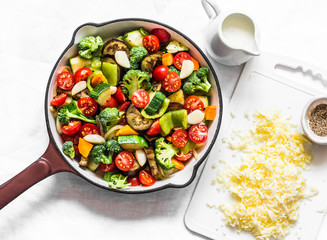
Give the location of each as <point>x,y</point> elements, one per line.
<point>33,34</point>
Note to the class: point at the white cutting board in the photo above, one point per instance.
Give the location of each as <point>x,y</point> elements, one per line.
<point>267,82</point>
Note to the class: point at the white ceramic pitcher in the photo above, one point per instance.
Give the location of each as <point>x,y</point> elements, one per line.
<point>231,37</point>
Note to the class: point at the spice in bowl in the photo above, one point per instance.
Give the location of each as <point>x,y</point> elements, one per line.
<point>318,120</point>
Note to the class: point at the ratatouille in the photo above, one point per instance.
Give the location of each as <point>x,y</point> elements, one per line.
<point>135,107</point>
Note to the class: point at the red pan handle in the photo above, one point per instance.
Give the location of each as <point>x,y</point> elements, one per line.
<point>49,163</point>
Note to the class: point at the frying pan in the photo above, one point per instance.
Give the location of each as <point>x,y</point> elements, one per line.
<point>54,160</point>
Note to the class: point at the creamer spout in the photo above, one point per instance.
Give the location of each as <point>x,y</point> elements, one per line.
<point>253,52</point>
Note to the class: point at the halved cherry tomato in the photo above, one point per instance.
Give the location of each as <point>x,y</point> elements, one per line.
<point>179,59</point>
<point>154,129</point>
<point>71,128</point>
<point>179,138</point>
<point>65,80</point>
<point>151,43</point>
<point>119,95</point>
<point>87,129</point>
<point>161,34</point>
<point>110,103</point>
<point>134,181</point>
<point>192,103</point>
<point>124,161</point>
<point>160,72</point>
<point>88,106</point>
<point>172,82</point>
<point>59,100</point>
<point>107,167</point>
<point>73,139</point>
<point>146,178</point>
<point>198,133</point>
<point>140,98</point>
<point>124,107</point>
<point>183,157</point>
<point>76,150</point>
<point>82,74</point>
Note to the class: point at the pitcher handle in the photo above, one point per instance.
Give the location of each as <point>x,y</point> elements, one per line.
<point>211,8</point>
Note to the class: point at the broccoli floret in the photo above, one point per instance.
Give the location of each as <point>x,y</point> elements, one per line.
<point>72,111</point>
<point>112,147</point>
<point>136,55</point>
<point>172,68</point>
<point>133,80</point>
<point>164,153</point>
<point>116,180</point>
<point>197,82</point>
<point>99,154</point>
<point>90,47</point>
<point>68,149</point>
<point>109,117</point>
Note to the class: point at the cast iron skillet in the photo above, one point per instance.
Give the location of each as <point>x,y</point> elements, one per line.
<point>53,160</point>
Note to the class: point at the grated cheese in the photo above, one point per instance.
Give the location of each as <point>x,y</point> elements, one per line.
<point>268,184</point>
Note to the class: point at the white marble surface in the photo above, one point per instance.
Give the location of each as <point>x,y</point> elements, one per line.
<point>34,34</point>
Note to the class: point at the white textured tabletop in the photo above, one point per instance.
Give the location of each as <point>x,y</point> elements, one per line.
<point>64,206</point>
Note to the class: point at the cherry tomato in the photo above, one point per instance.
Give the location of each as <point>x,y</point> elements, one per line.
<point>146,178</point>
<point>134,181</point>
<point>140,98</point>
<point>71,128</point>
<point>82,74</point>
<point>110,103</point>
<point>192,103</point>
<point>161,34</point>
<point>124,161</point>
<point>107,167</point>
<point>154,129</point>
<point>87,129</point>
<point>198,133</point>
<point>76,150</point>
<point>179,59</point>
<point>160,72</point>
<point>65,80</point>
<point>179,138</point>
<point>183,157</point>
<point>151,43</point>
<point>59,100</point>
<point>124,107</point>
<point>73,139</point>
<point>88,106</point>
<point>172,82</point>
<point>119,95</point>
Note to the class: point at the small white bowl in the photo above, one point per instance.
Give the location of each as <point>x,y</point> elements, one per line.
<point>308,108</point>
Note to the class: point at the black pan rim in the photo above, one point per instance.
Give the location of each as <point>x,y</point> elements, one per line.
<point>199,162</point>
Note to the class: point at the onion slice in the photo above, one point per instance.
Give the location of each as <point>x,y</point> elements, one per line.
<point>95,139</point>
<point>195,117</point>
<point>80,86</point>
<point>122,59</point>
<point>187,69</point>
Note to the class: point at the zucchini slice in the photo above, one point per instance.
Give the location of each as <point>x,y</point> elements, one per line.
<point>132,142</point>
<point>78,62</point>
<point>155,103</point>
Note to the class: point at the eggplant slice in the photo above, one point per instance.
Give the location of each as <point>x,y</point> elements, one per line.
<point>136,120</point>
<point>174,106</point>
<point>149,62</point>
<point>113,45</point>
